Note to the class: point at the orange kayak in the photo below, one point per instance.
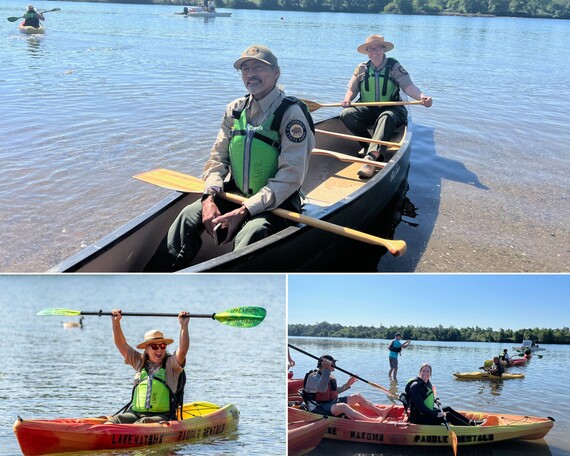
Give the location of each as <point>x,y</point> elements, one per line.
<point>395,429</point>
<point>201,420</point>
<point>294,385</point>
<point>304,436</point>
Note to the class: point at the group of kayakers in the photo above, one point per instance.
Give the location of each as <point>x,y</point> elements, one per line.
<point>321,394</point>
<point>263,146</point>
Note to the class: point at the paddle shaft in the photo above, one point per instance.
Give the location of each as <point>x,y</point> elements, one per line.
<point>342,370</point>
<point>100,313</point>
<point>395,247</point>
<point>14,19</point>
<point>184,183</point>
<point>313,105</point>
<point>452,434</point>
<point>358,138</point>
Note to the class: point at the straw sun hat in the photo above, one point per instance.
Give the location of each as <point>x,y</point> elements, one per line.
<point>154,336</point>
<point>375,40</point>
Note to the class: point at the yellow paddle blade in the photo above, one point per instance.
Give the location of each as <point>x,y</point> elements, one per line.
<point>453,438</point>
<point>172,180</point>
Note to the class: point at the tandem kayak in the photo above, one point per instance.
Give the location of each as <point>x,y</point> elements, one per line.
<point>485,376</point>
<point>304,436</point>
<point>395,429</point>
<point>512,362</point>
<point>202,420</point>
<point>29,30</point>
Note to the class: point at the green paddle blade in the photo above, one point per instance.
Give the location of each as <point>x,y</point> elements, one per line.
<point>62,312</point>
<point>241,317</point>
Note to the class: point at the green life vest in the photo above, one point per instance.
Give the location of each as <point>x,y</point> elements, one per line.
<point>378,85</point>
<point>429,400</point>
<point>29,15</point>
<point>160,393</point>
<point>254,151</point>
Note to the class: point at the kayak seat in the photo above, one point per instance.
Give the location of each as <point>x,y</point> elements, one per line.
<point>492,420</point>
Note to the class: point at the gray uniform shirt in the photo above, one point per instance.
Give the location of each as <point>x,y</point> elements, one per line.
<point>297,141</point>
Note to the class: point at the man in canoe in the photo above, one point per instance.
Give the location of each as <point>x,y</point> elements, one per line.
<point>395,349</point>
<point>421,397</point>
<point>377,80</point>
<point>157,386</point>
<point>264,143</point>
<point>33,17</point>
<point>320,394</point>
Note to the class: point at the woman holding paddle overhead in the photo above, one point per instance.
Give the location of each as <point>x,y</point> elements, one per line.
<point>32,17</point>
<point>320,394</point>
<point>264,144</point>
<point>422,400</point>
<point>157,387</point>
<point>378,79</point>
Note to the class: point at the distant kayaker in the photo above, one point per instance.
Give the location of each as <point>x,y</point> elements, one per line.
<point>158,372</point>
<point>505,357</point>
<point>497,367</point>
<point>265,141</point>
<point>422,401</point>
<point>320,394</point>
<point>32,17</point>
<point>378,79</point>
<point>395,349</point>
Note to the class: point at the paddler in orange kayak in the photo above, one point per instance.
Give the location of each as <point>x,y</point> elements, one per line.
<point>158,389</point>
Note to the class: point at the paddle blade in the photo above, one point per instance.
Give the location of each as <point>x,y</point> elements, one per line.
<point>311,105</point>
<point>59,312</point>
<point>241,317</point>
<point>172,180</point>
<point>453,439</point>
<point>13,19</point>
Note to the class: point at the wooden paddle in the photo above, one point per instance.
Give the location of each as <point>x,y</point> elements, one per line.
<point>313,105</point>
<point>180,182</point>
<point>452,435</point>
<point>390,395</point>
<point>242,317</point>
<point>14,19</point>
<point>358,138</point>
<point>348,158</point>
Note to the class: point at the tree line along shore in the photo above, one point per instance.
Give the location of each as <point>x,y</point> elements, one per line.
<point>543,9</point>
<point>438,333</point>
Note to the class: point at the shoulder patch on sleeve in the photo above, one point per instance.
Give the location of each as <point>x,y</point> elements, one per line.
<point>402,70</point>
<point>296,131</point>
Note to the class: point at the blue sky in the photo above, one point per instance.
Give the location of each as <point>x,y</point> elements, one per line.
<point>497,301</point>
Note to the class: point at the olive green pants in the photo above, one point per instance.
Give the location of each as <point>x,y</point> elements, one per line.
<point>183,241</point>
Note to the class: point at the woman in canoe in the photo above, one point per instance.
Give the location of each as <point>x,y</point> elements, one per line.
<point>378,79</point>
<point>422,400</point>
<point>32,17</point>
<point>320,394</point>
<point>158,373</point>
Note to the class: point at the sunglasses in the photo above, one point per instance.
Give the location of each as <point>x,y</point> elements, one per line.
<point>157,346</point>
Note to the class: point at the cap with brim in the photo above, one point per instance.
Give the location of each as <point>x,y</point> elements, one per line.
<point>154,336</point>
<point>257,52</point>
<point>375,40</point>
<point>397,334</point>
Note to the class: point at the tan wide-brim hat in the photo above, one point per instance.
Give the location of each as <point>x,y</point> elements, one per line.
<point>375,40</point>
<point>154,336</point>
<point>257,52</point>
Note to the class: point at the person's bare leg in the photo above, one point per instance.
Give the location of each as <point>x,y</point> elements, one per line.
<point>359,399</point>
<point>352,414</point>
